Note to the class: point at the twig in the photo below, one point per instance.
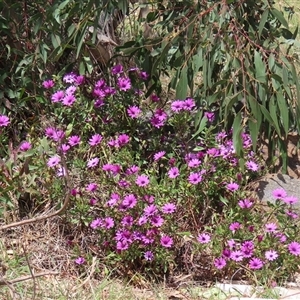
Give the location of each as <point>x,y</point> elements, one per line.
<point>4,281</point>
<point>30,270</point>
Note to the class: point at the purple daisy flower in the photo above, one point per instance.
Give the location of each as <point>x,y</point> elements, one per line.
<point>159,155</point>
<point>95,139</point>
<point>279,193</point>
<point>148,255</point>
<point>117,69</point>
<point>203,238</point>
<point>173,172</point>
<point>91,187</point>
<point>68,100</point>
<point>177,106</point>
<point>294,248</point>
<point>168,208</point>
<point>271,227</point>
<point>57,96</point>
<point>4,121</point>
<point>271,255</point>
<point>251,165</point>
<point>142,180</point>
<point>156,220</point>
<point>232,186</point>
<point>245,203</point>
<point>255,263</point>
<point>79,260</point>
<point>25,146</point>
<point>74,140</point>
<point>92,163</point>
<point>220,263</point>
<point>133,112</point>
<point>48,84</point>
<point>236,255</point>
<point>53,161</point>
<point>290,200</point>
<point>124,83</point>
<point>166,241</point>
<point>189,104</point>
<point>195,178</point>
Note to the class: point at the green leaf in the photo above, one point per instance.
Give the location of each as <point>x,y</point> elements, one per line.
<point>284,111</point>
<point>263,21</point>
<point>237,128</point>
<point>201,127</point>
<point>260,73</point>
<point>280,17</point>
<point>55,39</point>
<point>181,89</point>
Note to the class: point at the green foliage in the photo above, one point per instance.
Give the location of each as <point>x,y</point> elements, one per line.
<point>233,57</point>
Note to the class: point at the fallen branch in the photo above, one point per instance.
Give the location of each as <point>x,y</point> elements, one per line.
<point>4,281</point>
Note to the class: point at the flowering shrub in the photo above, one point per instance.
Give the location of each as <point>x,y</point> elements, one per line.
<point>144,189</point>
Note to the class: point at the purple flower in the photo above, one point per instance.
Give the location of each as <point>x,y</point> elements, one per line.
<point>117,69</point>
<point>177,106</point>
<point>271,255</point>
<point>166,241</point>
<point>142,220</point>
<point>93,201</point>
<point>69,77</point>
<point>194,163</point>
<point>127,221</point>
<point>68,100</point>
<point>142,180</point>
<point>74,140</point>
<point>129,201</point>
<point>154,98</point>
<point>294,248</point>
<point>210,116</point>
<point>195,178</point>
<point>95,139</point>
<point>168,208</point>
<point>156,220</point>
<point>114,198</point>
<point>290,200</point>
<point>255,263</point>
<point>71,90</point>
<point>4,121</point>
<point>279,193</point>
<point>79,80</point>
<point>53,161</point>
<point>92,163</point>
<point>231,243</point>
<point>173,172</point>
<point>144,75</point>
<point>80,260</point>
<point>123,139</point>
<point>159,155</point>
<point>96,223</point>
<point>25,146</point>
<point>124,83</point>
<point>48,84</point>
<point>251,165</point>
<point>236,255</point>
<point>226,253</point>
<point>108,222</point>
<point>57,96</point>
<point>122,245</point>
<point>132,170</point>
<point>150,210</point>
<point>220,263</point>
<point>271,227</point>
<point>157,122</point>
<point>189,104</point>
<point>203,238</point>
<point>91,187</point>
<point>149,255</point>
<point>133,112</point>
<point>234,226</point>
<point>65,148</point>
<point>245,203</point>
<point>292,214</point>
<point>232,186</point>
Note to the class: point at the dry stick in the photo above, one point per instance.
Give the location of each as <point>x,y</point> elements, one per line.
<point>61,210</point>
<point>4,281</point>
<point>30,270</point>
